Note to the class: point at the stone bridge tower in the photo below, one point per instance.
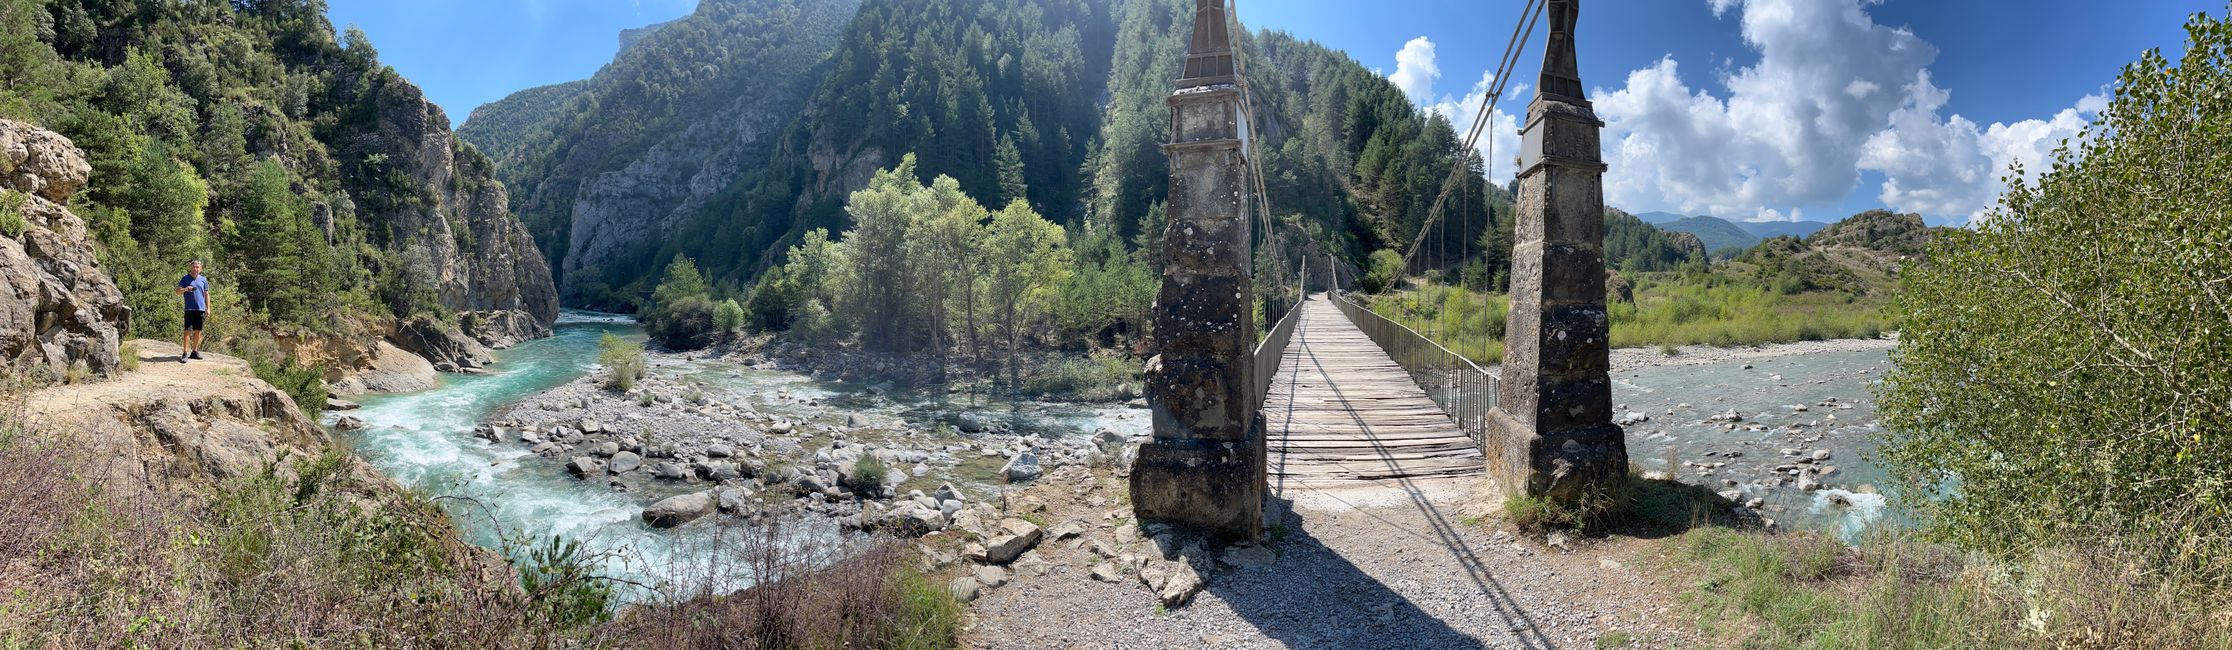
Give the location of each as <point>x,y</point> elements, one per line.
<point>1205,465</point>
<point>1551,431</point>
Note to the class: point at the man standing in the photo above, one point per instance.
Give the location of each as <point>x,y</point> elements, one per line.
<point>196,290</point>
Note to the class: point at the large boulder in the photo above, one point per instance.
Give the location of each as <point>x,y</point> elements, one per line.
<point>389,370</point>
<point>442,344</point>
<point>58,309</point>
<point>502,328</point>
<point>677,510</point>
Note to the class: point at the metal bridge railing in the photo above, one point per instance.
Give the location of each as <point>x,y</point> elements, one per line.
<point>1272,348</point>
<point>1463,389</point>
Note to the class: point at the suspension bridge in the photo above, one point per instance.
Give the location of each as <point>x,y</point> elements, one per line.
<point>1333,394</point>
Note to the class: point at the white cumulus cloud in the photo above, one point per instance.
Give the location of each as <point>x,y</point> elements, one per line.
<point>1415,73</point>
<point>1831,94</point>
<point>1415,70</point>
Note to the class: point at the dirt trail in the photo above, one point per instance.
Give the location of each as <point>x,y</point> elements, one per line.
<point>159,376</point>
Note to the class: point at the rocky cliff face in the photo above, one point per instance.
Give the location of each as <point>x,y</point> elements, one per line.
<point>58,309</point>
<point>611,171</point>
<point>457,231</point>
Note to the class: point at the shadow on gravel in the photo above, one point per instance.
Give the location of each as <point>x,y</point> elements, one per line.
<point>1314,598</point>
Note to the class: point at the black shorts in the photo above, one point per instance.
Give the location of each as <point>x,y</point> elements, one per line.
<point>194,320</point>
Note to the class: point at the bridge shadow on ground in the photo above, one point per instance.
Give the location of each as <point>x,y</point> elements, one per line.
<point>1314,597</point>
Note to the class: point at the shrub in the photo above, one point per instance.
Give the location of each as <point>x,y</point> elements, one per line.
<point>2062,367</point>
<point>623,361</point>
<point>869,474</point>
<point>728,316</point>
<point>1385,273</point>
<point>11,213</point>
<point>304,383</point>
<point>686,324</point>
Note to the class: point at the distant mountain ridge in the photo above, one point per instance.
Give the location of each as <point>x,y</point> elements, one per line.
<point>1715,232</point>
<point>1766,229</point>
<point>1759,230</point>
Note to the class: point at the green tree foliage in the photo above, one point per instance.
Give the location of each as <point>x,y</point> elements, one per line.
<point>2061,369</point>
<point>682,313</point>
<point>1339,145</point>
<point>1633,246</point>
<point>1025,257</point>
<point>927,270</point>
<point>728,316</point>
<point>278,255</point>
<point>242,133</point>
<point>1385,273</point>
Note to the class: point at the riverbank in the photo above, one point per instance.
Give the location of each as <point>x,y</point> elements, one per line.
<point>1629,359</point>
<point>748,437</point>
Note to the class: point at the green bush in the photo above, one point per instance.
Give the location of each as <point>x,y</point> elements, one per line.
<point>869,474</point>
<point>728,316</point>
<point>11,213</point>
<point>622,359</point>
<point>685,324</point>
<point>1386,272</point>
<point>2061,369</point>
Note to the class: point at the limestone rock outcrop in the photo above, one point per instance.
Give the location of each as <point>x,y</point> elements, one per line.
<point>460,236</point>
<point>442,344</point>
<point>170,424</point>
<point>58,309</point>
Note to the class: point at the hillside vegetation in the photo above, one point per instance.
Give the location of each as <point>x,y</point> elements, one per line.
<point>325,192</point>
<point>1664,292</point>
<point>992,101</point>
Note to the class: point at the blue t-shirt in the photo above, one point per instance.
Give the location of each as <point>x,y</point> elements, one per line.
<point>198,299</point>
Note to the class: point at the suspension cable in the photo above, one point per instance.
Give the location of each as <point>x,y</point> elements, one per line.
<point>1521,32</point>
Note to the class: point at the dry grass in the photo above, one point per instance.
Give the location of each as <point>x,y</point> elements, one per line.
<point>1898,591</point>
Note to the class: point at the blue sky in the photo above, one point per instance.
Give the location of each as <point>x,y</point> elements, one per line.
<point>1746,109</point>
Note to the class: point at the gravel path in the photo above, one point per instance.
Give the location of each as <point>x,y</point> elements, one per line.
<point>1393,566</point>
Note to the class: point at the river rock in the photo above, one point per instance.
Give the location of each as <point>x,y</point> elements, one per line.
<point>583,466</point>
<point>856,420</point>
<point>625,462</point>
<point>670,471</point>
<point>1820,455</point>
<point>677,510</point>
<point>1015,537</point>
<point>965,588</point>
<point>591,426</point>
<point>348,423</point>
<point>972,423</point>
<point>1023,467</point>
<point>338,404</point>
<point>1107,572</point>
<point>992,576</point>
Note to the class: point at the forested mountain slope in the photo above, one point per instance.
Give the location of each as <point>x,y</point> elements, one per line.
<point>678,125</point>
<point>1055,102</point>
<point>323,188</point>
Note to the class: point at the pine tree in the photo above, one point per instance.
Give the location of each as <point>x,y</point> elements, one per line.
<point>1010,163</point>
<point>277,256</point>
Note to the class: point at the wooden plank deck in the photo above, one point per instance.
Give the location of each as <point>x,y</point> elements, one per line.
<point>1340,411</point>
